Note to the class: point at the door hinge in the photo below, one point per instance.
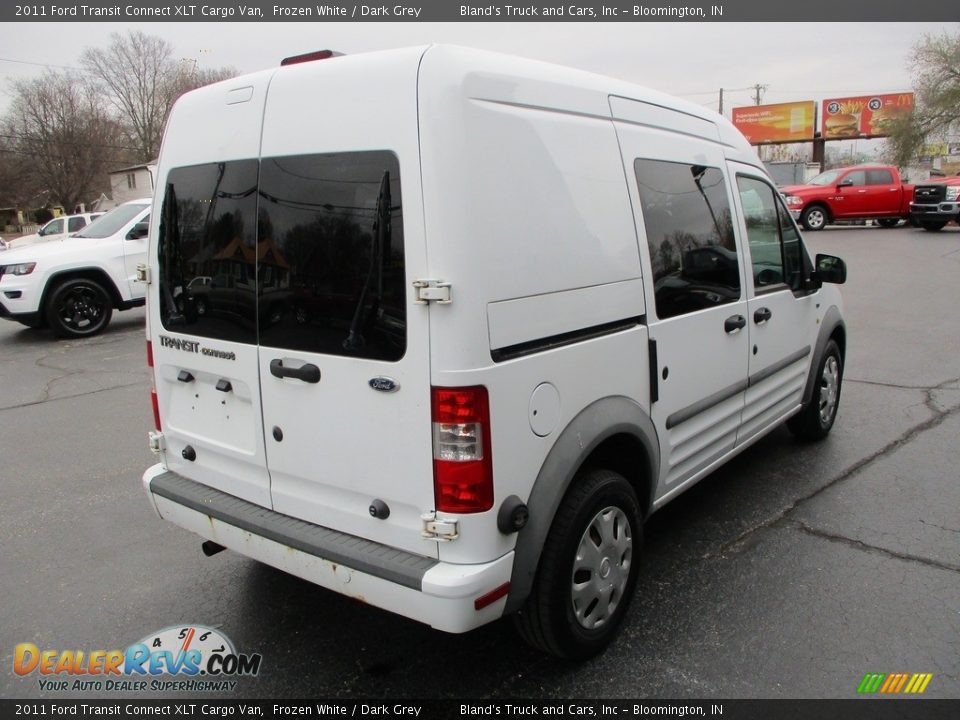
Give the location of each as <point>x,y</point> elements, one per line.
<point>439,529</point>
<point>143,274</point>
<point>157,442</point>
<point>430,290</point>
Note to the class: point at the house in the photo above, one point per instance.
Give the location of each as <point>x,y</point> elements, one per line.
<point>133,183</point>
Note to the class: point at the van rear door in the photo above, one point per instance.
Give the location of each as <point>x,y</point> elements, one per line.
<point>205,359</point>
<point>344,350</point>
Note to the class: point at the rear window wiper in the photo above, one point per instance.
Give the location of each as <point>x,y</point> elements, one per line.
<point>380,239</point>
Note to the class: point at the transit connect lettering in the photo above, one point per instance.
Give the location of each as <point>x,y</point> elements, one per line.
<point>178,344</point>
<point>194,347</point>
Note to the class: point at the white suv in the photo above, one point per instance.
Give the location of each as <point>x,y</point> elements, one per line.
<point>447,357</point>
<point>75,285</point>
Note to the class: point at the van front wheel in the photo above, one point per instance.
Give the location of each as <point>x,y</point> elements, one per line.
<point>816,419</point>
<point>588,569</point>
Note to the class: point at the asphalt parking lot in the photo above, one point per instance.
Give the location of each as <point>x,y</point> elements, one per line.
<point>792,572</point>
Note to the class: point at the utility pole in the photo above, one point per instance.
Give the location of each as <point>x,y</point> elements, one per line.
<point>721,101</point>
<point>758,92</point>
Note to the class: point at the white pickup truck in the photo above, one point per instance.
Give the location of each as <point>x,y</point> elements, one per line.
<point>74,284</point>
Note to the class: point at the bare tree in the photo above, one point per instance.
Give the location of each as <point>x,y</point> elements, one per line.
<point>18,182</point>
<point>139,76</point>
<point>57,123</point>
<point>936,87</point>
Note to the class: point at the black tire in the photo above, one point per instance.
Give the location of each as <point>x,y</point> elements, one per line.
<point>888,222</point>
<point>78,308</point>
<point>933,225</point>
<point>816,419</point>
<point>814,217</point>
<point>597,500</point>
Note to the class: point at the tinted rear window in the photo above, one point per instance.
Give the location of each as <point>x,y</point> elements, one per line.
<point>303,252</point>
<point>208,229</point>
<point>331,255</point>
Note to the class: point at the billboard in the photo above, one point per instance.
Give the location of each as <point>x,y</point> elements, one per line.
<point>863,116</point>
<point>783,122</point>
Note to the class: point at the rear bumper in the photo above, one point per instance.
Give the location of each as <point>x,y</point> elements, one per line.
<point>438,594</point>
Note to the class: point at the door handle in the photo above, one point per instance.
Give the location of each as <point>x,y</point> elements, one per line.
<point>761,315</point>
<point>308,373</point>
<point>734,323</point>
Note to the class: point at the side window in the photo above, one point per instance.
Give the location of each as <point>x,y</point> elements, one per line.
<point>54,227</point>
<point>857,178</point>
<point>879,177</point>
<point>208,230</point>
<point>775,247</point>
<point>75,224</point>
<point>331,255</point>
<point>793,250</point>
<point>689,228</point>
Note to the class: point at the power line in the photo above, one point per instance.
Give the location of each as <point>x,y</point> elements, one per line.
<point>48,65</point>
<point>27,138</point>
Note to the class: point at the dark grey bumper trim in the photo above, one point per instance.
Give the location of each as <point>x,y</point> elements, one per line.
<point>382,561</point>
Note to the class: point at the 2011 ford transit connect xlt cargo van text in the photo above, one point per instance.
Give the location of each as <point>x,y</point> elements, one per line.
<point>439,329</point>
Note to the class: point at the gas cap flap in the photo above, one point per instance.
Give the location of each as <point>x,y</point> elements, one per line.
<point>544,409</point>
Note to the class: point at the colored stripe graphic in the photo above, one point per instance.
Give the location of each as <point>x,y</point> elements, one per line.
<point>894,683</point>
<point>870,683</point>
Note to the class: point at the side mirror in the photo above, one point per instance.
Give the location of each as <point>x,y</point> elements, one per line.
<point>140,230</point>
<point>846,182</point>
<point>831,269</point>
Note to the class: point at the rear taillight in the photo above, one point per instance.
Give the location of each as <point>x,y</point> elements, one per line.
<point>462,463</point>
<point>153,387</point>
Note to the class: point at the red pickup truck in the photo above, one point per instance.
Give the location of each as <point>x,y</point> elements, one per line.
<point>935,203</point>
<point>864,192</point>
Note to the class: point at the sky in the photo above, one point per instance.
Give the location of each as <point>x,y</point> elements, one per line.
<point>796,61</point>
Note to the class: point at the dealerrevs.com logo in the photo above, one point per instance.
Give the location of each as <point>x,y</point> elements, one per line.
<point>190,658</point>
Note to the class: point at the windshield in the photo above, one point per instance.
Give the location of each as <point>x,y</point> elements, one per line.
<point>827,178</point>
<point>112,222</point>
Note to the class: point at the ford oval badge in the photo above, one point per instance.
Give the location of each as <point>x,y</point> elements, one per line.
<point>384,384</point>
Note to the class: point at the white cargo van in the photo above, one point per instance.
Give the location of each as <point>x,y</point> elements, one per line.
<point>463,321</point>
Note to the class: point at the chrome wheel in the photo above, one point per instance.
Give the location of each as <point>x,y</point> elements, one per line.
<point>601,567</point>
<point>829,389</point>
<point>814,218</point>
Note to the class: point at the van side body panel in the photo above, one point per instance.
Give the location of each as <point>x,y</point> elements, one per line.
<point>519,172</point>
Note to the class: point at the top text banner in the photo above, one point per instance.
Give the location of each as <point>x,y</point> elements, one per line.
<point>454,11</point>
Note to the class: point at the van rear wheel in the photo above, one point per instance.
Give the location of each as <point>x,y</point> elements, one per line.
<point>588,569</point>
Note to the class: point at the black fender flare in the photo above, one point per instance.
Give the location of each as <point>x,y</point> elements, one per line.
<point>599,421</point>
<point>831,321</point>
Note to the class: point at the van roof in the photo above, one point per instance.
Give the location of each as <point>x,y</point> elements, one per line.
<point>531,83</point>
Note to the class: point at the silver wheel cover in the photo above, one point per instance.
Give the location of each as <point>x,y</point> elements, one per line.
<point>601,568</point>
<point>829,389</point>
